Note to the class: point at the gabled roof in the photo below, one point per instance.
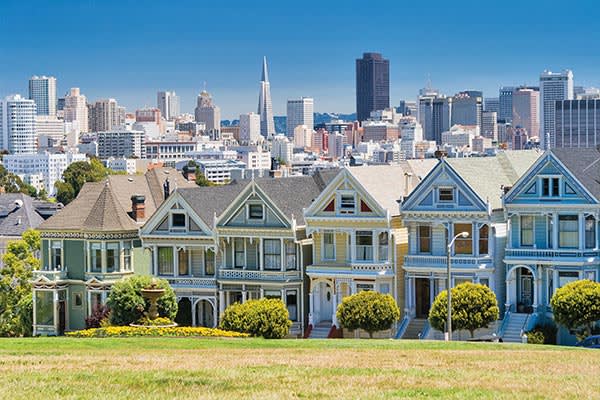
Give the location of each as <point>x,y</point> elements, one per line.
<point>584,164</point>
<point>17,214</point>
<point>210,200</point>
<point>487,175</point>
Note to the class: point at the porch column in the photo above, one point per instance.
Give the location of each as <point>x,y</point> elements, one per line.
<point>244,295</point>
<point>34,312</point>
<point>282,257</point>
<point>261,257</point>
<point>555,279</point>
<point>581,233</point>
<point>335,303</point>
<point>155,260</point>
<point>508,299</point>
<point>536,288</point>
<point>221,303</point>
<point>554,230</point>
<point>431,290</point>
<point>406,295</point>
<point>352,246</point>
<point>55,307</point>
<point>311,308</point>
<point>193,305</point>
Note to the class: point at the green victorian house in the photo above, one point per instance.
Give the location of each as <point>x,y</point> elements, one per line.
<point>92,243</point>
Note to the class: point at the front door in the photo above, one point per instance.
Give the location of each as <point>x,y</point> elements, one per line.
<point>525,300</point>
<point>326,309</point>
<point>61,317</point>
<point>422,298</point>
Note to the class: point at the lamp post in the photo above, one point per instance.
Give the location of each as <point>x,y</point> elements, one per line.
<point>448,335</point>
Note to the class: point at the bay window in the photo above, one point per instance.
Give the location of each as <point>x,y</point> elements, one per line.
<point>291,301</point>
<point>209,262</point>
<point>238,244</point>
<point>463,245</point>
<point>96,257</point>
<point>484,234</point>
<point>328,246</point>
<point>568,231</point>
<point>165,260</point>
<point>44,307</point>
<point>127,256</point>
<point>272,254</point>
<point>183,258</point>
<point>383,246</point>
<point>424,239</point>
<point>364,245</point>
<point>590,232</point>
<point>290,255</point>
<point>112,257</point>
<point>526,230</point>
<point>56,254</point>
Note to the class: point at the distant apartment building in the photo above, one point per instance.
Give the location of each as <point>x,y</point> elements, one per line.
<point>219,171</point>
<point>335,145</point>
<point>253,157</point>
<point>127,165</point>
<point>282,149</point>
<point>170,151</point>
<point>49,130</point>
<point>299,112</point>
<point>526,110</point>
<point>121,143</point>
<point>17,125</point>
<point>435,113</point>
<point>207,112</point>
<point>372,84</point>
<point>42,90</point>
<point>553,86</point>
<point>479,144</point>
<point>249,128</point>
<point>467,107</point>
<point>303,137</point>
<point>103,115</point>
<point>380,131</point>
<point>168,104</point>
<point>505,106</point>
<point>577,123</point>
<point>460,136</point>
<point>489,125</point>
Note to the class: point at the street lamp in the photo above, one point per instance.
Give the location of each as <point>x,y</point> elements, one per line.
<point>448,335</point>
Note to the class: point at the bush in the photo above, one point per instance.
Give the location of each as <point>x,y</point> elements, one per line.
<point>268,318</point>
<point>368,310</point>
<point>474,306</point>
<point>535,337</point>
<point>128,306</point>
<point>129,331</point>
<point>99,314</point>
<point>160,321</point>
<point>545,332</point>
<point>577,306</point>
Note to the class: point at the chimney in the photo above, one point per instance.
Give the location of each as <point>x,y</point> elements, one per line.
<point>166,188</point>
<point>138,207</point>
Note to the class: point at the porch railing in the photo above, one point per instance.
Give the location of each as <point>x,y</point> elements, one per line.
<point>207,282</point>
<point>241,274</point>
<point>550,253</point>
<point>53,275</point>
<point>440,261</point>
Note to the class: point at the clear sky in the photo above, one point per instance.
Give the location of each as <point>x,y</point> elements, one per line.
<point>129,49</point>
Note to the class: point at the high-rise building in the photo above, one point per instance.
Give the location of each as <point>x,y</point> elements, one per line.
<point>265,107</point>
<point>489,123</point>
<point>526,110</point>
<point>491,104</point>
<point>553,86</point>
<point>103,115</point>
<point>208,112</point>
<point>121,143</point>
<point>282,149</point>
<point>42,90</point>
<point>250,128</point>
<point>17,125</point>
<point>505,103</point>
<point>49,131</point>
<point>577,123</point>
<point>300,112</point>
<point>435,113</point>
<point>75,109</point>
<point>466,108</point>
<point>372,84</point>
<point>303,137</point>
<point>168,104</point>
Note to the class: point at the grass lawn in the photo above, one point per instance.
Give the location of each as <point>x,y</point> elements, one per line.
<point>135,368</point>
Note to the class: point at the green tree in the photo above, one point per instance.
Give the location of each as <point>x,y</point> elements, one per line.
<point>368,310</point>
<point>14,184</point>
<point>268,318</point>
<point>128,306</point>
<point>577,306</point>
<point>76,175</point>
<point>474,306</point>
<point>16,305</point>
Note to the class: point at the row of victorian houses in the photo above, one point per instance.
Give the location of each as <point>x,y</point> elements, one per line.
<point>532,218</point>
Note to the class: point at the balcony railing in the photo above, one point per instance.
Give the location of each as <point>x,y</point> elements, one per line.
<point>252,275</point>
<point>53,275</point>
<point>540,254</point>
<point>441,261</point>
<point>194,282</point>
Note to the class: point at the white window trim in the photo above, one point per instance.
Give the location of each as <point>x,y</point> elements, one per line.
<point>541,186</point>
<point>338,203</point>
<point>454,195</point>
<point>178,228</point>
<point>62,254</point>
<point>248,212</point>
<point>527,246</point>
<point>323,258</point>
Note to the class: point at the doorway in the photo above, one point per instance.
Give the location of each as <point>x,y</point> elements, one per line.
<point>422,297</point>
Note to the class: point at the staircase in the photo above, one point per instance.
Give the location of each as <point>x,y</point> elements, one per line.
<point>320,330</point>
<point>415,326</point>
<point>514,326</point>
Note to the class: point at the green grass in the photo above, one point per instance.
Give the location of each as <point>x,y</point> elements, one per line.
<point>134,368</point>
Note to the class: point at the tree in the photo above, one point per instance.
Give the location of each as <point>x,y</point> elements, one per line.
<point>127,305</point>
<point>76,175</point>
<point>368,310</point>
<point>14,184</point>
<point>474,306</point>
<point>268,318</point>
<point>577,306</point>
<point>16,304</point>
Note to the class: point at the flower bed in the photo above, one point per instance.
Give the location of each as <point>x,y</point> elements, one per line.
<point>179,331</point>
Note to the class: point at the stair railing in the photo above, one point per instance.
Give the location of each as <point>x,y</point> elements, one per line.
<point>504,323</point>
<point>402,327</point>
<point>423,334</point>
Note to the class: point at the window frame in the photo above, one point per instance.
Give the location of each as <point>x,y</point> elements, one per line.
<point>420,237</point>
<point>452,193</point>
<point>56,246</point>
<point>485,240</point>
<point>459,241</point>
<point>324,246</point>
<point>171,272</point>
<point>383,247</point>
<point>172,226</point>
<point>368,255</point>
<point>590,234</point>
<point>249,213</point>
<point>341,208</point>
<point>274,255</point>
<point>239,252</point>
<point>572,218</point>
<point>521,231</point>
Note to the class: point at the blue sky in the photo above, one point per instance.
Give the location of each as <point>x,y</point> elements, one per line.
<point>129,49</point>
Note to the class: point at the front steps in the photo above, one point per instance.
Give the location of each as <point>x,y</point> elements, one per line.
<point>320,330</point>
<point>513,328</point>
<point>414,328</point>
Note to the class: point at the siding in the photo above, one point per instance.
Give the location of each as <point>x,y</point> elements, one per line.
<point>197,261</point>
<point>74,258</point>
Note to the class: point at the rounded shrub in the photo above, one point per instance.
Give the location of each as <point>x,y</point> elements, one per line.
<point>268,318</point>
<point>577,306</point>
<point>368,310</point>
<point>128,306</point>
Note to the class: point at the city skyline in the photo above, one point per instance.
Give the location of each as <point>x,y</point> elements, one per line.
<point>118,61</point>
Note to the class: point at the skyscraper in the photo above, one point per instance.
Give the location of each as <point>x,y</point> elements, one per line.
<point>265,107</point>
<point>372,85</point>
<point>42,90</point>
<point>208,112</point>
<point>553,86</point>
<point>491,104</point>
<point>75,109</point>
<point>168,104</point>
<point>249,128</point>
<point>17,125</point>
<point>435,113</point>
<point>505,107</point>
<point>467,107</point>
<point>577,123</point>
<point>526,110</point>
<point>300,112</point>
<point>489,124</point>
<point>103,115</point>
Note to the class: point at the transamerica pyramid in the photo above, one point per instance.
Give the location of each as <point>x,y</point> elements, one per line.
<point>265,107</point>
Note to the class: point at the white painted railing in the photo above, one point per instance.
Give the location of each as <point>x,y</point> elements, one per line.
<point>550,253</point>
<point>192,282</point>
<point>241,274</point>
<point>53,275</point>
<point>440,261</point>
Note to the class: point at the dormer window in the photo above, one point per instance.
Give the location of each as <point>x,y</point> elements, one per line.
<point>255,211</point>
<point>445,195</point>
<point>347,204</point>
<point>178,221</point>
<point>550,187</point>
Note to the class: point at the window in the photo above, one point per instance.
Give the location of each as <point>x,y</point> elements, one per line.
<point>178,220</point>
<point>550,187</point>
<point>183,262</point>
<point>590,232</point>
<point>383,246</point>
<point>56,254</point>
<point>290,255</point>
<point>77,299</point>
<point>590,275</point>
<point>463,245</point>
<point>291,300</point>
<point>127,256</point>
<point>96,257</point>
<point>568,231</point>
<point>526,230</point>
<point>95,300</point>
<point>565,277</point>
<point>272,294</point>
<point>44,307</point>
<point>165,261</point>
<point>347,204</point>
<point>238,244</point>
<point>485,281</point>
<point>328,246</point>
<point>424,236</point>
<point>446,194</point>
<point>364,245</point>
<point>364,287</point>
<point>272,254</point>
<point>112,257</point>
<point>384,288</point>
<point>484,234</point>
<point>255,211</point>
<point>209,262</point>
